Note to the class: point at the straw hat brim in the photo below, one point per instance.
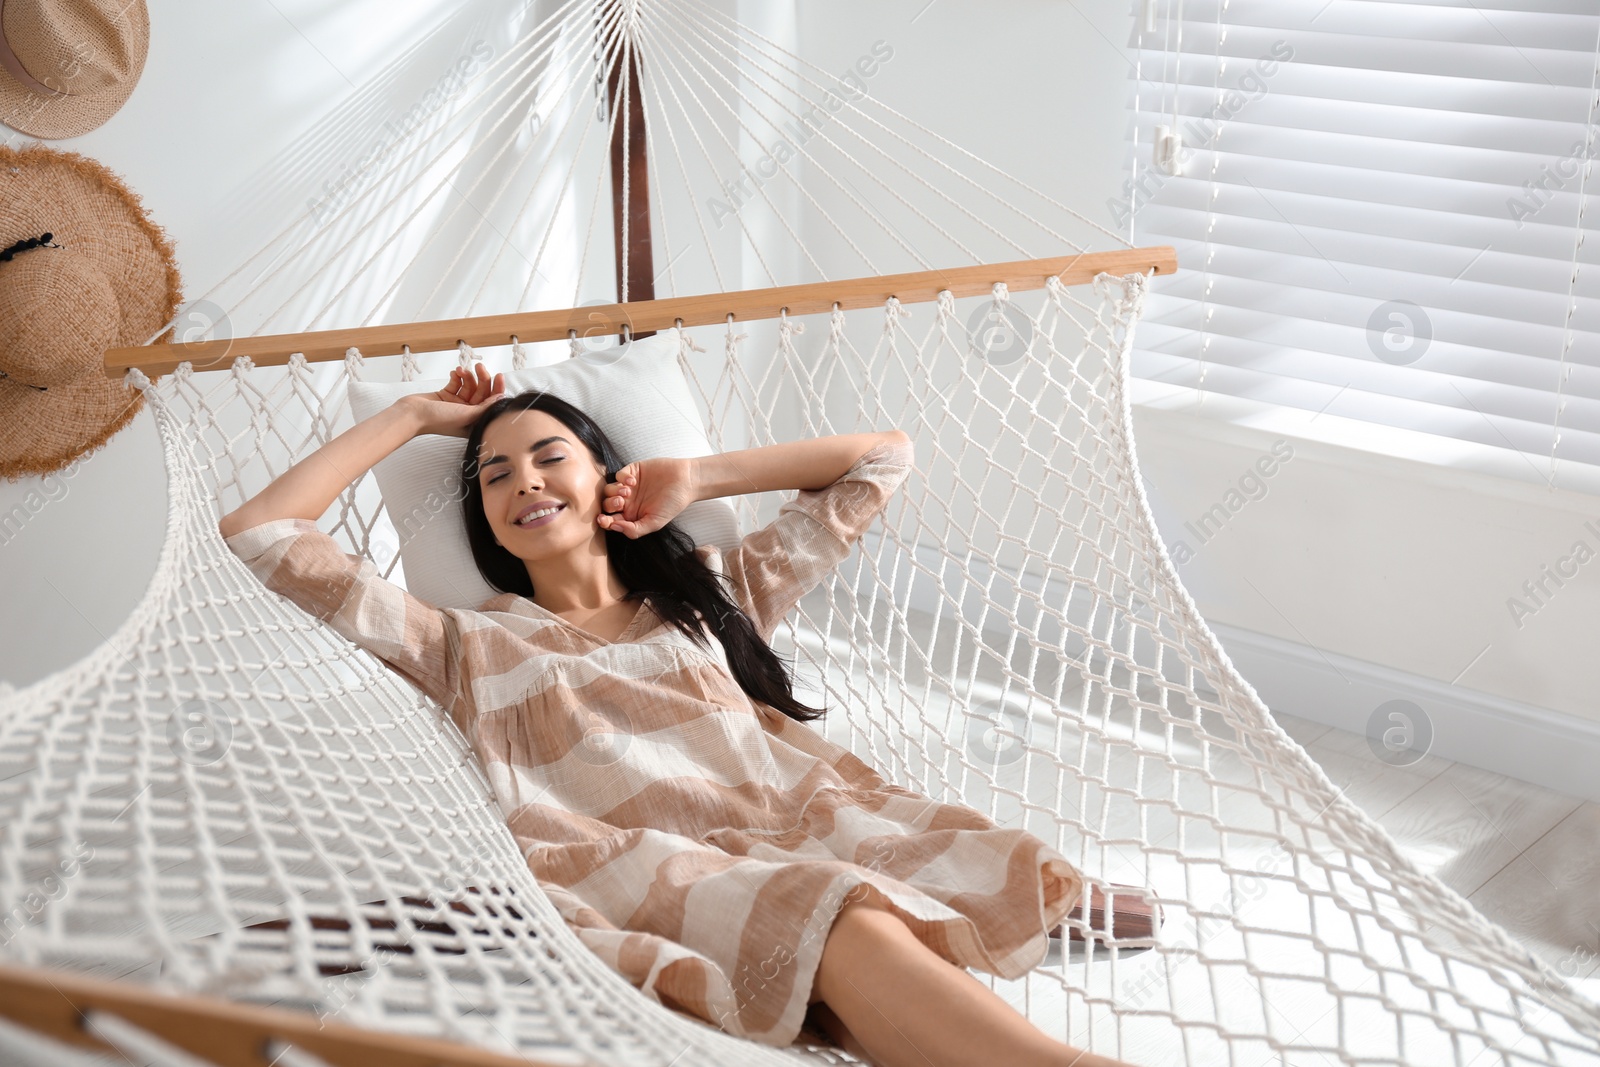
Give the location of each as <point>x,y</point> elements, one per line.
<point>67,422</point>
<point>94,215</point>
<point>57,117</point>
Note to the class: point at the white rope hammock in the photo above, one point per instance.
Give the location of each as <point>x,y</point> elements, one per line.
<point>1012,636</point>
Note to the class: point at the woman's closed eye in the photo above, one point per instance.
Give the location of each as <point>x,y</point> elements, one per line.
<point>503,474</point>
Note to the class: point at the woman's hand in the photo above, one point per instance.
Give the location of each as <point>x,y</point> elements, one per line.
<point>452,410</point>
<point>647,495</point>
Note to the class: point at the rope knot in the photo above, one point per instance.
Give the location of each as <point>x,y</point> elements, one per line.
<point>1134,287</point>
<point>892,311</point>
<point>686,343</point>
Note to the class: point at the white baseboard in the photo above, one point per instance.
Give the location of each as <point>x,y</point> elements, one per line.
<point>1547,748</point>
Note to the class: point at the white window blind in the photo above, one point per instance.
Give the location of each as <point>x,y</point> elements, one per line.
<point>1383,219</point>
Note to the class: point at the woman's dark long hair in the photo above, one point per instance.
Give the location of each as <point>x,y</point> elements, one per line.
<point>661,565</point>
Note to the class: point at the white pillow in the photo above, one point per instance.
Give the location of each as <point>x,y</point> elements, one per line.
<point>637,395</point>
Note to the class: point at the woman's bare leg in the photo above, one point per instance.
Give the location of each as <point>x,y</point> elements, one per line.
<point>888,998</point>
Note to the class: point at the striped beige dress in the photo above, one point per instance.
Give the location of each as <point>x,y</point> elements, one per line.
<point>697,841</point>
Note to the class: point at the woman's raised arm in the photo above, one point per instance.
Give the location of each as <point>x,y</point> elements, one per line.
<point>814,463</point>
<point>648,494</point>
<point>306,490</point>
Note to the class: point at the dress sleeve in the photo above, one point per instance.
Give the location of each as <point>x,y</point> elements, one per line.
<point>773,567</point>
<point>419,641</point>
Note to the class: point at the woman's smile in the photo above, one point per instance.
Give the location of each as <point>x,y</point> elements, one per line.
<point>537,515</point>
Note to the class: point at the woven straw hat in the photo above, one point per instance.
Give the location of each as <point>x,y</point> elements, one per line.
<point>113,281</point>
<point>66,66</point>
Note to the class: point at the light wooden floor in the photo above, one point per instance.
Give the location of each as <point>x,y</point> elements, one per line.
<point>1527,858</point>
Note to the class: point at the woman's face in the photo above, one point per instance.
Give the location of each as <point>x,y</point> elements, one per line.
<point>528,463</point>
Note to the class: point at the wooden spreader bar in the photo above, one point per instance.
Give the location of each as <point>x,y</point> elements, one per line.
<point>57,1004</point>
<point>642,316</point>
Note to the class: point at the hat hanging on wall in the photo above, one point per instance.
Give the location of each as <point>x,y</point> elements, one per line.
<point>66,66</point>
<point>82,269</point>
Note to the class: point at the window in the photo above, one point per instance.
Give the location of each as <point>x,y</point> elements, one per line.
<point>1384,217</point>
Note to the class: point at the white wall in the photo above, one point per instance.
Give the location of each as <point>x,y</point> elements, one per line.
<point>1354,576</point>
<point>1384,560</point>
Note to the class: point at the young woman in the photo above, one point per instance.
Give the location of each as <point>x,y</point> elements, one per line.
<point>643,740</point>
